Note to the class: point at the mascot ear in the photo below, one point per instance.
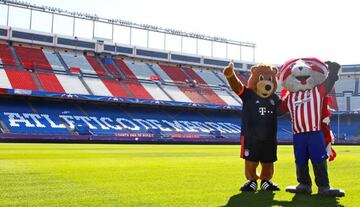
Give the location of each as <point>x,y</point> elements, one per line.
<point>274,69</point>
<point>253,68</point>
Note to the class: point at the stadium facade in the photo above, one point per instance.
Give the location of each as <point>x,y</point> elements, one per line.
<point>68,88</point>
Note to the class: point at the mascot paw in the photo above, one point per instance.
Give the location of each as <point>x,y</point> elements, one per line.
<point>333,66</point>
<point>330,152</point>
<point>229,70</point>
<point>333,154</point>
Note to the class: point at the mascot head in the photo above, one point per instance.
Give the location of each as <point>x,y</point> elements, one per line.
<point>263,80</point>
<point>302,74</point>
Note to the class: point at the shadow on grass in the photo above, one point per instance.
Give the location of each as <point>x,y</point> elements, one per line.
<point>266,199</point>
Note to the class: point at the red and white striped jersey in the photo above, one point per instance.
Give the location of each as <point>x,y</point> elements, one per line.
<point>305,108</point>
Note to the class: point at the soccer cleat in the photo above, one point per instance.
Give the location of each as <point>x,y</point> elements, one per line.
<point>301,188</point>
<point>330,192</point>
<point>249,186</point>
<point>269,186</point>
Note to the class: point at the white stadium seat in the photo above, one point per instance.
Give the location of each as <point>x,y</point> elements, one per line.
<point>97,87</point>
<point>227,97</point>
<point>77,61</point>
<point>53,60</point>
<point>4,80</point>
<point>72,84</point>
<point>209,77</point>
<point>161,73</point>
<point>176,93</point>
<point>155,91</point>
<point>141,70</point>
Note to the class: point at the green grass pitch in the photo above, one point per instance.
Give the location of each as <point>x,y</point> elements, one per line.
<point>155,175</point>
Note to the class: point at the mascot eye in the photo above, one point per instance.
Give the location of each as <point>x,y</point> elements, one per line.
<point>261,77</point>
<point>270,78</point>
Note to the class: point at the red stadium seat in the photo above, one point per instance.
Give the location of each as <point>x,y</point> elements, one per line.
<point>125,69</point>
<point>32,57</point>
<point>6,57</point>
<point>211,96</point>
<point>21,80</point>
<point>50,83</point>
<point>155,78</point>
<point>75,70</point>
<point>116,88</point>
<point>195,76</point>
<point>138,90</point>
<point>97,67</point>
<point>175,73</point>
<point>193,95</point>
<point>111,68</point>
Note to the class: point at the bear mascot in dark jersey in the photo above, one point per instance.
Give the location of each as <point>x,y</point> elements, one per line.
<point>259,124</point>
<point>307,81</point>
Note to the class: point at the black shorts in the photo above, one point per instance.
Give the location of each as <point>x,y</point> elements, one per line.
<point>258,150</point>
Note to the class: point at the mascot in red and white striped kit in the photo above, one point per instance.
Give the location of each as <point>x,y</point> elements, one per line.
<point>307,81</point>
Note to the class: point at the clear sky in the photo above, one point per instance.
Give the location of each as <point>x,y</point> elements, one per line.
<point>281,29</point>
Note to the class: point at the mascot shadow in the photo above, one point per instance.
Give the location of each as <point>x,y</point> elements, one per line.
<point>266,199</point>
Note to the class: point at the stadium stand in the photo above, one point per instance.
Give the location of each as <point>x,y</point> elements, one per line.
<point>209,77</point>
<point>219,74</point>
<point>117,89</point>
<point>155,91</point>
<point>227,97</point>
<point>342,103</point>
<point>53,60</point>
<point>175,73</point>
<point>138,90</point>
<point>139,69</point>
<point>97,87</point>
<point>95,65</point>
<point>211,96</point>
<point>72,84</point>
<point>49,82</point>
<point>32,58</point>
<point>21,79</point>
<point>125,69</point>
<point>5,56</point>
<point>4,80</point>
<point>77,61</point>
<point>345,85</point>
<point>161,73</point>
<point>72,74</point>
<point>62,117</point>
<point>355,103</point>
<point>193,95</point>
<point>110,66</point>
<point>194,76</point>
<point>176,93</point>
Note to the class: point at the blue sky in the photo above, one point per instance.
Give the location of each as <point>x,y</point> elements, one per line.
<point>281,29</point>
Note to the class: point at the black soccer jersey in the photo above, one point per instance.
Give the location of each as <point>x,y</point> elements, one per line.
<point>259,119</point>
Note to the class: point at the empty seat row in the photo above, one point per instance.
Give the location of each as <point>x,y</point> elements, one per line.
<point>32,58</point>
<point>5,56</point>
<point>77,61</point>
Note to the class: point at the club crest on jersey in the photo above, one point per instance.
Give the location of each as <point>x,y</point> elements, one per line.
<point>246,152</point>
<point>272,102</point>
<point>257,101</point>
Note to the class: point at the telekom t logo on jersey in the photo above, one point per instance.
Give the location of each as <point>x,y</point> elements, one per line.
<point>262,110</point>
